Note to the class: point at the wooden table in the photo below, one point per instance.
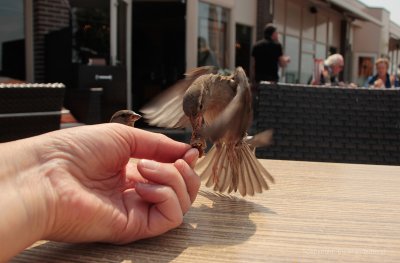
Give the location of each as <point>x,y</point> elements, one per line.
<point>316,212</point>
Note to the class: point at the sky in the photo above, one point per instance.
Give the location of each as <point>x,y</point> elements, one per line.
<point>391,5</point>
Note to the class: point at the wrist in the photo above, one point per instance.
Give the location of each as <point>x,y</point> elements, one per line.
<point>23,198</point>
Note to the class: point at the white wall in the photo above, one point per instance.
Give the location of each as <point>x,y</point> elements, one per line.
<point>245,12</point>
<point>371,38</point>
<point>366,38</point>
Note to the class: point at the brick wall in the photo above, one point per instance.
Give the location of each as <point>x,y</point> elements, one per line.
<point>48,15</point>
<point>330,124</point>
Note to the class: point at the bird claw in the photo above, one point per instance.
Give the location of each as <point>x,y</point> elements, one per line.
<point>199,146</point>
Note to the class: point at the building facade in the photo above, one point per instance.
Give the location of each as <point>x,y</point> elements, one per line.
<point>315,29</point>
<point>150,44</point>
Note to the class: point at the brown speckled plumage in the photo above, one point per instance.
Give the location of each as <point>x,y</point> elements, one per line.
<point>218,108</point>
<point>126,117</point>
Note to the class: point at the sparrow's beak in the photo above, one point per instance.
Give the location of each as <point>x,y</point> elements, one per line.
<point>135,117</point>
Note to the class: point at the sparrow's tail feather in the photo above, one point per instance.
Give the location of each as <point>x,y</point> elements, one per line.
<point>224,183</point>
<point>230,168</point>
<point>203,166</point>
<point>252,183</point>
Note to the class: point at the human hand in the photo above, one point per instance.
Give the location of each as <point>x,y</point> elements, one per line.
<point>352,85</point>
<point>378,83</point>
<point>101,199</point>
<point>284,60</point>
<point>86,191</point>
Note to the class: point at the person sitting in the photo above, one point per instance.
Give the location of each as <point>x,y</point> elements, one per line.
<point>382,79</point>
<point>333,65</point>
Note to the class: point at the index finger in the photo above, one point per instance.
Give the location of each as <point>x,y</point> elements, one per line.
<point>154,146</point>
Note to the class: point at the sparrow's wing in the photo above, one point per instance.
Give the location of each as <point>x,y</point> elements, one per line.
<point>166,109</point>
<point>261,139</point>
<point>236,118</point>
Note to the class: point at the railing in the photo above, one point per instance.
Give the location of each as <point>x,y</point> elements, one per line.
<point>330,124</point>
<point>29,109</point>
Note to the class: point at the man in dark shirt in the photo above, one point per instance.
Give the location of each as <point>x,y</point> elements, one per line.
<point>268,56</point>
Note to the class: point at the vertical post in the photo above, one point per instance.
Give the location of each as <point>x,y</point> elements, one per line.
<point>29,65</point>
<point>345,48</point>
<point>129,54</point>
<point>397,56</point>
<point>113,32</point>
<point>192,9</point>
<point>231,38</point>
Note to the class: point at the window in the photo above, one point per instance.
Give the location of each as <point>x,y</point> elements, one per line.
<point>322,34</point>
<point>292,49</point>
<point>309,35</point>
<point>12,40</point>
<point>213,36</point>
<point>307,67</point>
<point>320,51</point>
<point>91,31</point>
<point>308,46</point>
<point>307,60</point>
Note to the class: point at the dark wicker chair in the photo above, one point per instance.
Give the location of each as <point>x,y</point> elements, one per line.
<point>29,109</point>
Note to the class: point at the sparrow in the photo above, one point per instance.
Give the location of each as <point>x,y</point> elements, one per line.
<point>219,108</point>
<point>126,117</point>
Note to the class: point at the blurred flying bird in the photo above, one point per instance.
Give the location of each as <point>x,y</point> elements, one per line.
<point>126,117</point>
<point>261,139</point>
<point>219,109</point>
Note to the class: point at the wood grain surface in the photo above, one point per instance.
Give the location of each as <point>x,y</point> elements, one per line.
<point>316,212</point>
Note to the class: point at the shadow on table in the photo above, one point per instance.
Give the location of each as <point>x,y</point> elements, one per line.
<point>225,223</point>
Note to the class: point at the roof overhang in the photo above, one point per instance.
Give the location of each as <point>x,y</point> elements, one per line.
<point>394,30</point>
<point>354,12</point>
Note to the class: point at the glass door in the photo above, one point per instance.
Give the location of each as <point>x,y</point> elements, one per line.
<point>100,41</point>
<point>158,48</point>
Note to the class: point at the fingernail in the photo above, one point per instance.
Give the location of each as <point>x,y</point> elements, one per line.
<point>149,164</point>
<point>195,153</point>
<point>141,185</point>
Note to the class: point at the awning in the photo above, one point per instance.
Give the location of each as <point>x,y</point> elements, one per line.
<point>354,12</point>
<point>394,30</point>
